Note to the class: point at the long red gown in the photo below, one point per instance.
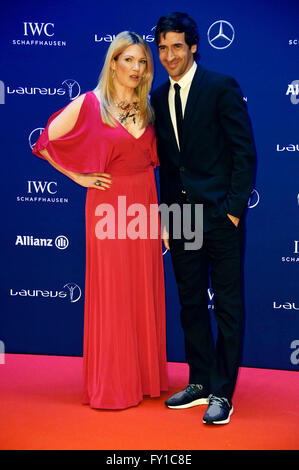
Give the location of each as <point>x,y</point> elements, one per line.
<point>124,354</point>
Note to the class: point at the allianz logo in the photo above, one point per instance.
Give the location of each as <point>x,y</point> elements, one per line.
<point>293,92</point>
<point>287,148</point>
<point>293,88</point>
<point>61,242</point>
<point>285,306</point>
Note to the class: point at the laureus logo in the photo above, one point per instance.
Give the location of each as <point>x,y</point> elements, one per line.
<point>254,199</point>
<point>285,305</point>
<point>72,87</point>
<point>74,291</point>
<point>69,291</point>
<point>109,37</point>
<point>287,148</point>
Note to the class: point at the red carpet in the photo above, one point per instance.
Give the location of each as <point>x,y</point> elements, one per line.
<point>41,409</point>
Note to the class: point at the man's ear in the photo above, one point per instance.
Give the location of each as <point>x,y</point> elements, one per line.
<point>193,48</point>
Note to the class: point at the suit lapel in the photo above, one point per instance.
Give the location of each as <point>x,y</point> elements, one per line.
<point>191,102</point>
<point>190,106</point>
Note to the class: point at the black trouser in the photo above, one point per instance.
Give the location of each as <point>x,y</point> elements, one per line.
<point>220,258</point>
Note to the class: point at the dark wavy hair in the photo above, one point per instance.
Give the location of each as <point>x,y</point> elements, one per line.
<point>179,23</point>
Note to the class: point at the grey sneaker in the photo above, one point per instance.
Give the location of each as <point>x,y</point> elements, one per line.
<point>192,395</point>
<point>218,411</point>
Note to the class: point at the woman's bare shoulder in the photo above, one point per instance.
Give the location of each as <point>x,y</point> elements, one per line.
<point>75,105</point>
<point>66,120</point>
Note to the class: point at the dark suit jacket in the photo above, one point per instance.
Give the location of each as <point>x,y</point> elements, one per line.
<point>216,164</point>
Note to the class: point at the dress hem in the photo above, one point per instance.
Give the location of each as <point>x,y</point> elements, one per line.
<point>121,407</point>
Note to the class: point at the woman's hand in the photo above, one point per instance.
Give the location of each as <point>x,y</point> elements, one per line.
<point>165,238</point>
<point>234,219</point>
<point>89,180</point>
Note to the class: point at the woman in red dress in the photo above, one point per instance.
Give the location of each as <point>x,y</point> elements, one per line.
<point>104,140</point>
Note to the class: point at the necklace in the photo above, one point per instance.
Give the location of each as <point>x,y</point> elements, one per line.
<point>127,111</point>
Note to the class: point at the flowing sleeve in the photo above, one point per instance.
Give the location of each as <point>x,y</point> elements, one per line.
<point>76,150</point>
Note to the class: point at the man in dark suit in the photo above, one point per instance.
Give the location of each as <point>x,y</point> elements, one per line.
<point>207,156</point>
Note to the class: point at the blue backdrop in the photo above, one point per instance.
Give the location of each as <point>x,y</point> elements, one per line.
<point>52,52</point>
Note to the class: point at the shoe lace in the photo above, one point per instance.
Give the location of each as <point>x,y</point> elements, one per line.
<point>193,388</point>
<point>213,400</point>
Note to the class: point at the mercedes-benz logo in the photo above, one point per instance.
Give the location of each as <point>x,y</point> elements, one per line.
<point>34,135</point>
<point>221,34</point>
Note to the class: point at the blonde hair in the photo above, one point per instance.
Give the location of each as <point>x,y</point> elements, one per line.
<point>106,86</point>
